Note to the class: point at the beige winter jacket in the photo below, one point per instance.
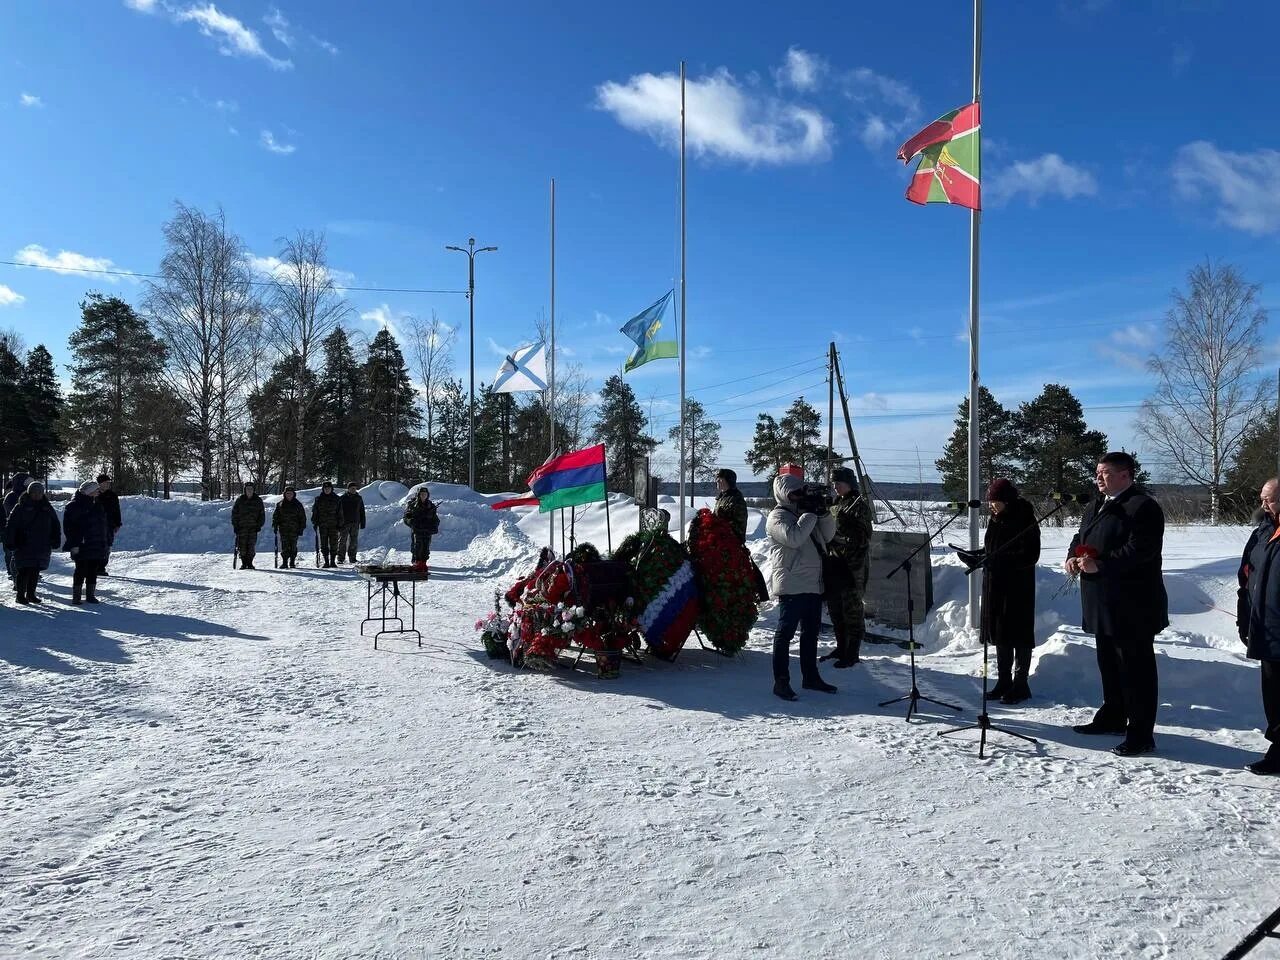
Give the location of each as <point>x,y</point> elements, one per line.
<point>795,564</point>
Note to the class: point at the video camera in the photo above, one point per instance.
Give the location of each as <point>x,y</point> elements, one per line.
<point>812,498</point>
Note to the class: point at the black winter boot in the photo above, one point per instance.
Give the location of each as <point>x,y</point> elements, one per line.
<point>1019,690</point>
<point>90,588</point>
<point>1004,674</point>
<point>817,683</point>
<point>33,579</point>
<point>782,688</point>
<point>77,581</point>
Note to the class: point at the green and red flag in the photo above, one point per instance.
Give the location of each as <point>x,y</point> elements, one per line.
<point>950,158</point>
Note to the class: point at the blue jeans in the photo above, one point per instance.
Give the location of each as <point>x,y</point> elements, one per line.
<point>803,610</point>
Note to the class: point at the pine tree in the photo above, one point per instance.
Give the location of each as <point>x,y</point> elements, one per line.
<point>1057,449</point>
<point>702,443</point>
<point>997,447</point>
<point>391,412</point>
<point>449,444</point>
<point>768,451</point>
<point>339,430</point>
<point>42,396</point>
<point>14,417</point>
<point>620,426</point>
<point>1254,465</point>
<point>274,427</point>
<point>169,440</point>
<point>115,361</point>
<point>801,428</point>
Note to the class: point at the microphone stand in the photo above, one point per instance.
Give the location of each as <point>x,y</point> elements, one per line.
<point>914,696</point>
<point>984,723</point>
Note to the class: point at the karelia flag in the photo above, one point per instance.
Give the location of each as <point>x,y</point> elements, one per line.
<point>568,480</point>
<point>950,159</point>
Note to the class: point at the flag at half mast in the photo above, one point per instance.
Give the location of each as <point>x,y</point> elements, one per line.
<point>950,160</point>
<point>643,330</point>
<point>568,480</point>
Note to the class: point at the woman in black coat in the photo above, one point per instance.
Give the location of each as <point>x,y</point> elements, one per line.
<point>1012,547</point>
<point>84,523</point>
<point>31,533</point>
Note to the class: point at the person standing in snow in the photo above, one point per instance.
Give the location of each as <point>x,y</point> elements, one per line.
<point>85,533</point>
<point>730,504</point>
<point>32,532</point>
<point>14,489</point>
<point>352,523</point>
<point>110,501</point>
<point>1259,577</point>
<point>247,518</point>
<point>423,520</point>
<point>289,520</point>
<point>326,518</point>
<point>1117,555</point>
<point>848,567</point>
<point>799,530</point>
<point>1011,549</point>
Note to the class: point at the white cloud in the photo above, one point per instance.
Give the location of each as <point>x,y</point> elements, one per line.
<point>226,106</point>
<point>65,262</point>
<point>887,110</point>
<point>876,133</point>
<point>1242,184</point>
<point>1044,176</point>
<point>233,37</point>
<point>1130,346</point>
<point>273,268</point>
<point>269,142</point>
<point>801,70</point>
<point>30,100</point>
<point>279,26</point>
<point>9,297</point>
<point>324,45</point>
<point>723,119</point>
<point>383,316</point>
<point>142,6</point>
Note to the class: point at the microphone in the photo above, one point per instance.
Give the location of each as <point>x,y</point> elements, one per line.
<point>1061,497</point>
<point>964,504</point>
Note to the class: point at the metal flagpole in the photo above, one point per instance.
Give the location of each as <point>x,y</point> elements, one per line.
<point>831,410</point>
<point>975,218</point>
<point>683,324</point>
<point>551,401</point>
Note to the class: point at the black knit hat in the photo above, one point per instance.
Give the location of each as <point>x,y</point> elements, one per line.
<point>728,476</point>
<point>844,475</point>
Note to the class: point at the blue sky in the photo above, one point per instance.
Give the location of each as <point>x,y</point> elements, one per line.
<point>1124,142</point>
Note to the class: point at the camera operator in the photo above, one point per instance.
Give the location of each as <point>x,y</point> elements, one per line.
<point>799,528</point>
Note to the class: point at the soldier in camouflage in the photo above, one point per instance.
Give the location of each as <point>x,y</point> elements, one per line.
<point>847,567</point>
<point>289,521</point>
<point>247,517</point>
<point>326,517</point>
<point>730,503</point>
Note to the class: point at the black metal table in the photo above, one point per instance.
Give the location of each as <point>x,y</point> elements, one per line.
<point>385,584</point>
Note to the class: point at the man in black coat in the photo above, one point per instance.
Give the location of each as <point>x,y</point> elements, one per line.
<point>1259,620</point>
<point>32,532</point>
<point>109,500</point>
<point>352,522</point>
<point>84,528</point>
<point>1116,554</point>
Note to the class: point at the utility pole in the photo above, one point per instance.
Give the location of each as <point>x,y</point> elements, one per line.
<point>471,251</point>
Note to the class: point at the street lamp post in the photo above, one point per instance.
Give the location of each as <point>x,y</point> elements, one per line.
<point>471,251</point>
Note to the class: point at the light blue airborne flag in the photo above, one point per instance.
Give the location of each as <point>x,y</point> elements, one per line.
<point>643,330</point>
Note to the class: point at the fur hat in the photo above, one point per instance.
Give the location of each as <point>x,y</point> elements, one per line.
<point>728,476</point>
<point>1002,490</point>
<point>844,475</point>
<point>89,488</point>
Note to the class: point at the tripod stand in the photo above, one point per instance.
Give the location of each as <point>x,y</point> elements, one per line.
<point>983,723</point>
<point>914,697</point>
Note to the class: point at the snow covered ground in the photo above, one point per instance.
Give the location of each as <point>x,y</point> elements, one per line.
<point>214,763</point>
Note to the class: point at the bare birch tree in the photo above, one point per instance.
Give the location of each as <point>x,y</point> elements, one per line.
<point>431,345</point>
<point>1208,389</point>
<point>205,310</point>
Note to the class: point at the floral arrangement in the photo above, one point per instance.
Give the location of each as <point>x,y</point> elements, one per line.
<point>726,579</point>
<point>666,590</point>
<point>494,629</point>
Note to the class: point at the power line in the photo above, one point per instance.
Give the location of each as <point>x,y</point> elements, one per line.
<point>256,283</point>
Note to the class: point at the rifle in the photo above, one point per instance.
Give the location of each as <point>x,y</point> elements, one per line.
<point>275,552</point>
<point>316,531</point>
<point>235,554</point>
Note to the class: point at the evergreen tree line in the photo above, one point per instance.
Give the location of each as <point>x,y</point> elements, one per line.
<point>31,410</point>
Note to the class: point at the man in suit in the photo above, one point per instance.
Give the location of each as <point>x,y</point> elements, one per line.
<point>1123,603</point>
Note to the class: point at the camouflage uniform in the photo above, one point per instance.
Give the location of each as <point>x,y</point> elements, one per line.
<point>326,517</point>
<point>732,507</point>
<point>353,519</point>
<point>289,520</point>
<point>848,565</point>
<point>247,517</point>
<point>421,517</point>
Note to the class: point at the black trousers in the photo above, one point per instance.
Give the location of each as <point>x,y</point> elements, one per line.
<point>1271,698</point>
<point>1130,687</point>
<point>803,610</point>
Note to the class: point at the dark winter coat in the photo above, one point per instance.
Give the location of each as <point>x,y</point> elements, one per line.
<point>17,486</point>
<point>32,532</point>
<point>851,546</point>
<point>110,501</point>
<point>1262,532</point>
<point>84,527</point>
<point>289,517</point>
<point>1126,597</point>
<point>1012,545</point>
<point>731,506</point>
<point>248,515</point>
<point>326,511</point>
<point>1264,594</point>
<point>352,509</point>
<point>422,517</point>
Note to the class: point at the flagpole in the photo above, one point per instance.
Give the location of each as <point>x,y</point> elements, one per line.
<point>551,402</point>
<point>683,325</point>
<point>975,217</point>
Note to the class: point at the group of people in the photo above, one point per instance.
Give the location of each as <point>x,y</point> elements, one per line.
<point>336,520</point>
<point>32,532</point>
